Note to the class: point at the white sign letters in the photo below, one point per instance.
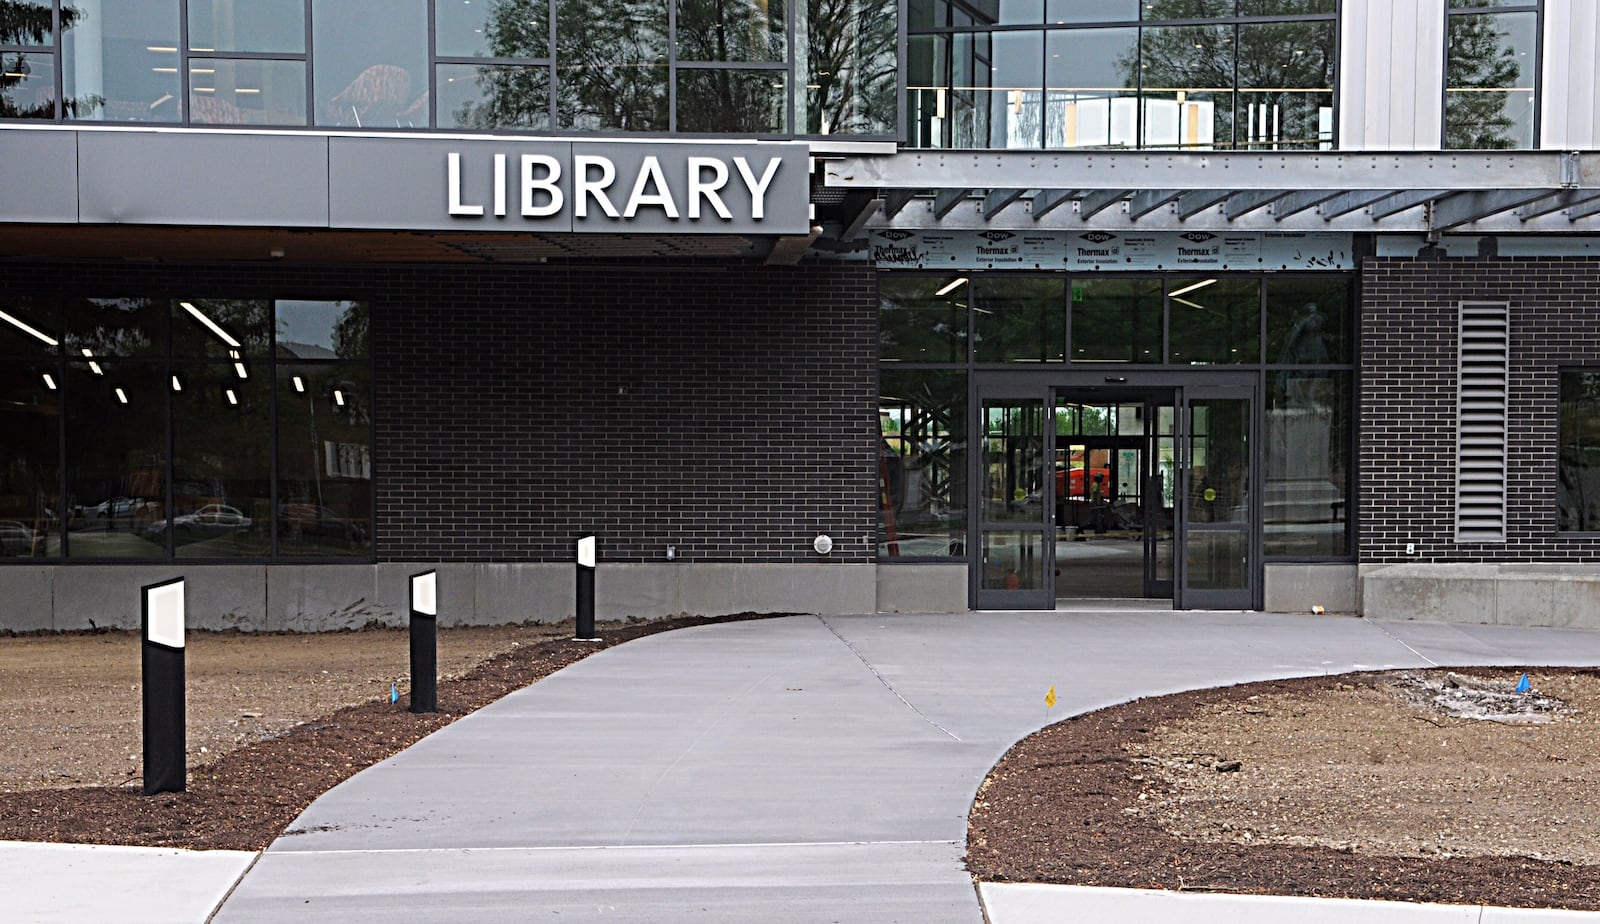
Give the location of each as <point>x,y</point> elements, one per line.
<point>603,188</point>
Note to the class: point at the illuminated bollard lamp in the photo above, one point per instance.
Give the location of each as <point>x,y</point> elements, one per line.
<point>586,566</point>
<point>165,764</point>
<point>425,642</point>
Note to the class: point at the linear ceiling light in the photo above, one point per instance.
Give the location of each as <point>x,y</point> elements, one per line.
<point>122,396</point>
<point>952,285</point>
<point>39,334</point>
<point>232,398</point>
<point>212,325</point>
<point>176,385</point>
<point>1185,301</point>
<point>1190,288</point>
<point>338,397</point>
<point>49,382</point>
<point>299,385</point>
<point>92,364</point>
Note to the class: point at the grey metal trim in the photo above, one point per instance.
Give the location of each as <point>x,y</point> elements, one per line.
<point>852,230</point>
<point>1586,210</point>
<point>1297,202</point>
<point>1562,200</point>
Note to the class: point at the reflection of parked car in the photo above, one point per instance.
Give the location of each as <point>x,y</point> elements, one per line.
<point>16,539</point>
<point>210,518</point>
<point>214,516</point>
<point>316,520</point>
<point>116,507</point>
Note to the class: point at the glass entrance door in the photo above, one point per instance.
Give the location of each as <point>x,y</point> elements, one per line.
<point>1015,500</point>
<point>1217,565</point>
<point>1114,452</point>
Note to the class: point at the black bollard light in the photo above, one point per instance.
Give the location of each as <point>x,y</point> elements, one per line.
<point>424,642</point>
<point>586,564</point>
<point>165,764</point>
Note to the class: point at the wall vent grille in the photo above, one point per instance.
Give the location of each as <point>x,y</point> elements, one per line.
<point>1482,405</point>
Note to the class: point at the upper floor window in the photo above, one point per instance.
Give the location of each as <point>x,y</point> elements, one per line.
<point>751,67</point>
<point>1491,74</point>
<point>1187,74</point>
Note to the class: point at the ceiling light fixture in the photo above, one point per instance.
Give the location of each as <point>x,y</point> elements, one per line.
<point>299,385</point>
<point>232,398</point>
<point>38,334</point>
<point>176,385</point>
<point>212,325</point>
<point>1190,288</point>
<point>122,396</point>
<point>92,364</point>
<point>952,285</point>
<point>49,382</point>
<point>338,397</point>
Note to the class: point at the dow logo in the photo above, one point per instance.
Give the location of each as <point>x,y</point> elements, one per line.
<point>1198,237</point>
<point>895,235</point>
<point>997,235</point>
<point>1098,237</point>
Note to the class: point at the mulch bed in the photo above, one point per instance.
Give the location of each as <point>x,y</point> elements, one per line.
<point>1052,811</point>
<point>245,799</point>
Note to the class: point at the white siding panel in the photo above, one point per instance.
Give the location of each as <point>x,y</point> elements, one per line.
<point>1391,75</point>
<point>1570,104</point>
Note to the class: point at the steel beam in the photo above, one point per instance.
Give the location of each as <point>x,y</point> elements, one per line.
<point>1196,201</point>
<point>1243,203</point>
<point>853,229</point>
<point>1351,201</point>
<point>1148,200</point>
<point>1565,199</point>
<point>947,199</point>
<point>1344,171</point>
<point>896,199</point>
<point>998,199</point>
<point>1466,207</point>
<point>1399,202</point>
<point>1047,200</point>
<point>1098,201</point>
<point>1297,202</point>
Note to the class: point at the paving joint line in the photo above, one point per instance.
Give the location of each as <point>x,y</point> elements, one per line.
<point>884,680</point>
<point>1399,641</point>
<point>547,848</point>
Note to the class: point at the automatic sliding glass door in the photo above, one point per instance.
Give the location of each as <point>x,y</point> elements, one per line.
<point>1015,505</point>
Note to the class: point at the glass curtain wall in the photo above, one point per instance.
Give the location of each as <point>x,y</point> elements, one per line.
<point>745,67</point>
<point>937,330</point>
<point>1491,74</point>
<point>1184,74</point>
<point>190,428</point>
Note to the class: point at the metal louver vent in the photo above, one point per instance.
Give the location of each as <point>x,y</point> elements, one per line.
<point>1484,371</point>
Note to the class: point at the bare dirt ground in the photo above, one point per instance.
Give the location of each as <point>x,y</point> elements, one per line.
<point>1362,786</point>
<point>1365,786</point>
<point>273,722</point>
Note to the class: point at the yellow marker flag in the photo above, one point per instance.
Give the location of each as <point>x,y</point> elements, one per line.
<point>1050,698</point>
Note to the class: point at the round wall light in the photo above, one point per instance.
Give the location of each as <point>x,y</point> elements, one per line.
<point>823,544</point>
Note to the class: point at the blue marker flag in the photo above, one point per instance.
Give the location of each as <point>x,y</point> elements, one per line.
<point>1523,685</point>
<point>394,695</point>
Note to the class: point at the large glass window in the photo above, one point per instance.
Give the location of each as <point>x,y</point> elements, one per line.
<point>1213,320</point>
<point>1305,510</point>
<point>120,61</point>
<point>1491,74</point>
<point>27,60</point>
<point>185,433</point>
<point>371,67</point>
<point>1019,318</point>
<point>922,419</point>
<point>923,319</point>
<point>1578,472</point>
<point>1191,74</point>
<point>750,67</point>
<point>1116,319</point>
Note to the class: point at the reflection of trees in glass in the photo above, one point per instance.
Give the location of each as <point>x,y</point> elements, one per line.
<point>612,65</point>
<point>730,30</point>
<point>851,66</point>
<point>1286,66</point>
<point>1479,62</point>
<point>352,332</point>
<point>25,23</point>
<point>511,95</point>
<point>922,462</point>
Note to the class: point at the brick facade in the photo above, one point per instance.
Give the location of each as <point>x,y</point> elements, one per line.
<point>724,407</point>
<point>1406,447</point>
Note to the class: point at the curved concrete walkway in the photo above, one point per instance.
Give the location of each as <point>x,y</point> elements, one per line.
<point>799,769</point>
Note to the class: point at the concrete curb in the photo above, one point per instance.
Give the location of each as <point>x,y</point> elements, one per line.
<point>1033,903</point>
<point>88,884</point>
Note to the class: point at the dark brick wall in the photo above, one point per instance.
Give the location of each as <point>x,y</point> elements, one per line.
<point>724,407</point>
<point>1408,401</point>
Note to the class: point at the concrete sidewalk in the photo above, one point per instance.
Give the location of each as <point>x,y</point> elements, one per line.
<point>797,769</point>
